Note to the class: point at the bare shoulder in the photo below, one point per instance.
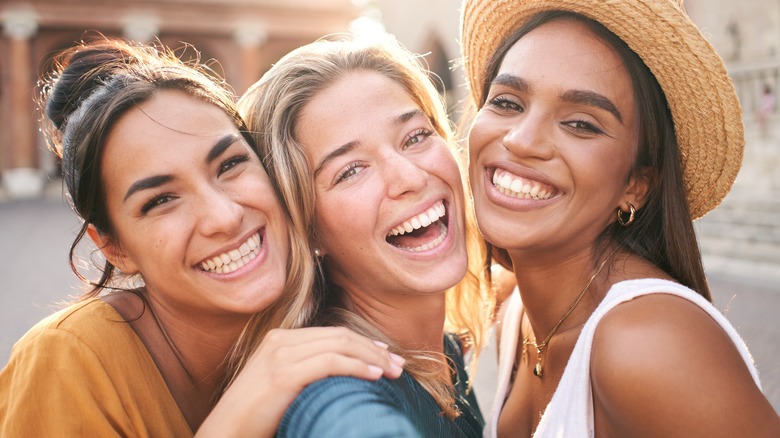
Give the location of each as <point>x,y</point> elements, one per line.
<point>665,356</point>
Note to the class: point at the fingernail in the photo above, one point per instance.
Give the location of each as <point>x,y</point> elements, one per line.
<point>381,344</point>
<point>375,371</point>
<point>398,360</point>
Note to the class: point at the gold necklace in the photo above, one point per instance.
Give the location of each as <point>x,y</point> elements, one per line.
<point>540,348</point>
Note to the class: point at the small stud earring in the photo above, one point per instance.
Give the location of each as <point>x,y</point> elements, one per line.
<point>317,252</point>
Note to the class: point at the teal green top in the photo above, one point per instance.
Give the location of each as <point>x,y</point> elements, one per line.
<point>344,407</point>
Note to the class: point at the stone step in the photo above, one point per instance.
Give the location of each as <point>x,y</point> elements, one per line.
<point>742,235</point>
<point>744,231</point>
<point>765,274</point>
<point>729,247</point>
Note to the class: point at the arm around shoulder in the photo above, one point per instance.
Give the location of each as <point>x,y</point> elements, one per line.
<point>661,366</point>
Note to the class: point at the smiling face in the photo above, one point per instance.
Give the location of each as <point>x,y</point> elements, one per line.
<point>552,147</point>
<point>389,209</point>
<point>193,209</point>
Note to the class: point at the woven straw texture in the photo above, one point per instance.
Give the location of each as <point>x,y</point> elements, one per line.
<point>701,96</point>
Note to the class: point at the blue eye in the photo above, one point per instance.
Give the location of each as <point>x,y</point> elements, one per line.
<point>417,137</point>
<point>350,171</point>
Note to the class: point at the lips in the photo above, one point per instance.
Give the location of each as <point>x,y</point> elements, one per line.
<point>233,260</point>
<point>421,232</point>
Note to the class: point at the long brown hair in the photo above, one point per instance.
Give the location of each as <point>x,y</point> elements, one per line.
<point>93,85</point>
<point>663,230</point>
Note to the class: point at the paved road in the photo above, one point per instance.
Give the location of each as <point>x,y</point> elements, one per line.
<point>35,236</point>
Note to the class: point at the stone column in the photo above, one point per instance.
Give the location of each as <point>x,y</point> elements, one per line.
<point>250,38</point>
<point>22,176</point>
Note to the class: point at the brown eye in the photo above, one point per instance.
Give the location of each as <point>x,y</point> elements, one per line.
<point>156,202</point>
<point>232,162</point>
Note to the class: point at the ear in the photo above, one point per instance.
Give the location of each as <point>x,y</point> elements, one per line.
<point>316,249</point>
<point>640,184</point>
<point>315,244</point>
<point>111,251</point>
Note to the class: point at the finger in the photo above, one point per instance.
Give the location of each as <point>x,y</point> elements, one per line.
<point>290,346</point>
<point>370,354</point>
<point>319,367</point>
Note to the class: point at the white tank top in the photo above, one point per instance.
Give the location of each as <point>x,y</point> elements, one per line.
<point>570,411</point>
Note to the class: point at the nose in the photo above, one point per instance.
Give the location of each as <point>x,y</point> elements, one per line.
<point>403,174</point>
<point>529,137</point>
<point>219,212</point>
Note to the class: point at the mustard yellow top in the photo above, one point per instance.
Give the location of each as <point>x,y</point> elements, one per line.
<point>84,372</point>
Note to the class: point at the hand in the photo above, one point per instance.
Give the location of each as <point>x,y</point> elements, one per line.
<point>282,365</point>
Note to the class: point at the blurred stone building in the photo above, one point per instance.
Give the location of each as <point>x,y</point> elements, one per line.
<point>245,36</point>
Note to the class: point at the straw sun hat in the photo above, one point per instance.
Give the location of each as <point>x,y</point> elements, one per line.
<point>706,112</point>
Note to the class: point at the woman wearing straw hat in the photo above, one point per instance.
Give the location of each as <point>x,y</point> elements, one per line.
<point>603,129</point>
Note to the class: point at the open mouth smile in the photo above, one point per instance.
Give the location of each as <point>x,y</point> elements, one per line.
<point>233,260</point>
<point>422,232</point>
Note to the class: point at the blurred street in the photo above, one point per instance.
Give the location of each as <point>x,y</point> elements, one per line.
<point>36,234</point>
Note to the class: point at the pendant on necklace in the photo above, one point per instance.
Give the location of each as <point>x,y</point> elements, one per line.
<point>538,371</point>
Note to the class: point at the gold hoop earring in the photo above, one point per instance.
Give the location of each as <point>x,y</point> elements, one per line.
<point>631,215</point>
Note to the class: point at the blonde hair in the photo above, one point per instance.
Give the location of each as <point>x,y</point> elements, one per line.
<point>272,108</point>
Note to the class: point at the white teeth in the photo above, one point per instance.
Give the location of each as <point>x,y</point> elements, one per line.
<point>432,244</point>
<point>234,259</point>
<point>517,187</point>
<point>423,219</point>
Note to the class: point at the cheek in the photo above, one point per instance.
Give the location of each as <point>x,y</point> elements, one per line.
<point>480,132</point>
<point>344,218</point>
<point>445,164</point>
<point>327,222</point>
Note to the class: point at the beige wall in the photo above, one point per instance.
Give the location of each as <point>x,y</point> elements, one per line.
<point>245,36</point>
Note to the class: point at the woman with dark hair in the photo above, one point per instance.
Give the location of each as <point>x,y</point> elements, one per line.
<point>603,129</point>
<point>158,164</point>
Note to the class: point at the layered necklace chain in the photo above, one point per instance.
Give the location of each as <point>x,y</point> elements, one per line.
<point>542,346</point>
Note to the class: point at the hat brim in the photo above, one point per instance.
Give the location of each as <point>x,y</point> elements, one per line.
<point>705,109</point>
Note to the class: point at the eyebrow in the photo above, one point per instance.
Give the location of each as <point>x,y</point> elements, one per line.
<point>339,151</point>
<point>155,181</point>
<point>222,144</point>
<point>581,97</point>
<point>350,146</point>
<point>593,99</point>
<point>512,81</point>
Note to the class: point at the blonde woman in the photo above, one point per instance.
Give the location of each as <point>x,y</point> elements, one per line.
<point>358,139</point>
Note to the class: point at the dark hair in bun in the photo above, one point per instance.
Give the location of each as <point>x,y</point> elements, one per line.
<point>93,85</point>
